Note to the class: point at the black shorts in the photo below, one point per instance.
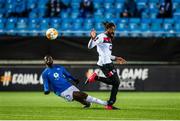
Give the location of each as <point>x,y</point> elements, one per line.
<point>108,69</point>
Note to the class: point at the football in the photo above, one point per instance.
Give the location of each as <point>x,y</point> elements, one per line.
<point>51,33</point>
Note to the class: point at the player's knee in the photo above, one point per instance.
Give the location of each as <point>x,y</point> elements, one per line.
<point>116,82</point>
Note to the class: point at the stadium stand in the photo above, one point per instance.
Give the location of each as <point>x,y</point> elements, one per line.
<point>70,24</point>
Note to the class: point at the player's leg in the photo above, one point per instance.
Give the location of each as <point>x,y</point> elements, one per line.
<point>94,77</point>
<point>107,70</point>
<point>80,97</point>
<point>83,98</point>
<point>114,90</point>
<point>72,93</point>
<point>112,79</point>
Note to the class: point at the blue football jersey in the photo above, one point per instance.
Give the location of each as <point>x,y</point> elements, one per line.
<point>57,77</point>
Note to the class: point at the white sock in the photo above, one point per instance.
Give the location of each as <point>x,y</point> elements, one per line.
<point>95,100</point>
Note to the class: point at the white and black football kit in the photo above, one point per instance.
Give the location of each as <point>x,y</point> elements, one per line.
<point>103,45</point>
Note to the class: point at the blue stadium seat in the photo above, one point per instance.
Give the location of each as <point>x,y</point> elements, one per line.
<point>2,22</point>
<point>64,15</point>
<point>109,16</point>
<point>2,2</point>
<point>118,7</point>
<point>40,12</point>
<point>21,24</point>
<point>31,4</point>
<point>152,5</point>
<point>121,27</point>
<point>155,26</point>
<point>168,24</point>
<point>141,5</point>
<point>134,28</point>
<point>153,1</point>
<point>99,14</point>
<point>10,24</point>
<point>44,23</point>
<point>76,26</point>
<point>75,14</point>
<point>99,26</point>
<point>9,8</point>
<point>144,26</point>
<point>78,20</point>
<point>55,23</point>
<point>153,13</point>
<point>145,29</point>
<point>97,5</point>
<point>98,1</point>
<point>146,20</point>
<point>145,14</point>
<point>177,27</point>
<point>10,27</point>
<point>66,1</point>
<point>33,26</point>
<point>33,23</point>
<point>75,1</point>
<point>2,13</point>
<point>142,1</point>
<point>158,21</point>
<point>108,6</point>
<point>156,29</point>
<point>176,5</point>
<point>88,21</point>
<point>134,20</point>
<point>33,14</point>
<point>123,20</point>
<point>176,14</point>
<point>42,4</point>
<point>109,1</point>
<point>87,26</point>
<point>66,24</point>
<point>176,1</point>
<point>75,6</point>
<point>120,1</point>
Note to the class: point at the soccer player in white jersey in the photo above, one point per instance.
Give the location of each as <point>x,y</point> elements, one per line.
<point>103,43</point>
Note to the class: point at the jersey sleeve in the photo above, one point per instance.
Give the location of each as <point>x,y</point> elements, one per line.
<point>45,82</point>
<point>113,57</point>
<point>93,42</point>
<point>67,74</point>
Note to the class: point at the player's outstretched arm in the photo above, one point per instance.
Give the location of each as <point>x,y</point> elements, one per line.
<point>120,60</point>
<point>93,34</point>
<point>45,84</point>
<point>69,76</point>
<point>91,43</point>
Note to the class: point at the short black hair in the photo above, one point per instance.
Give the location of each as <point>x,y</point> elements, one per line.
<point>108,25</point>
<point>47,56</point>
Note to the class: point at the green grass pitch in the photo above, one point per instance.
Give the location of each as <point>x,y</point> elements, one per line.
<point>134,106</point>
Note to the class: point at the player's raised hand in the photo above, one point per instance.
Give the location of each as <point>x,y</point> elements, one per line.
<point>120,60</point>
<point>93,33</point>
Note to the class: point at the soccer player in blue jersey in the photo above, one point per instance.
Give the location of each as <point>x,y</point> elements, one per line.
<point>57,77</point>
